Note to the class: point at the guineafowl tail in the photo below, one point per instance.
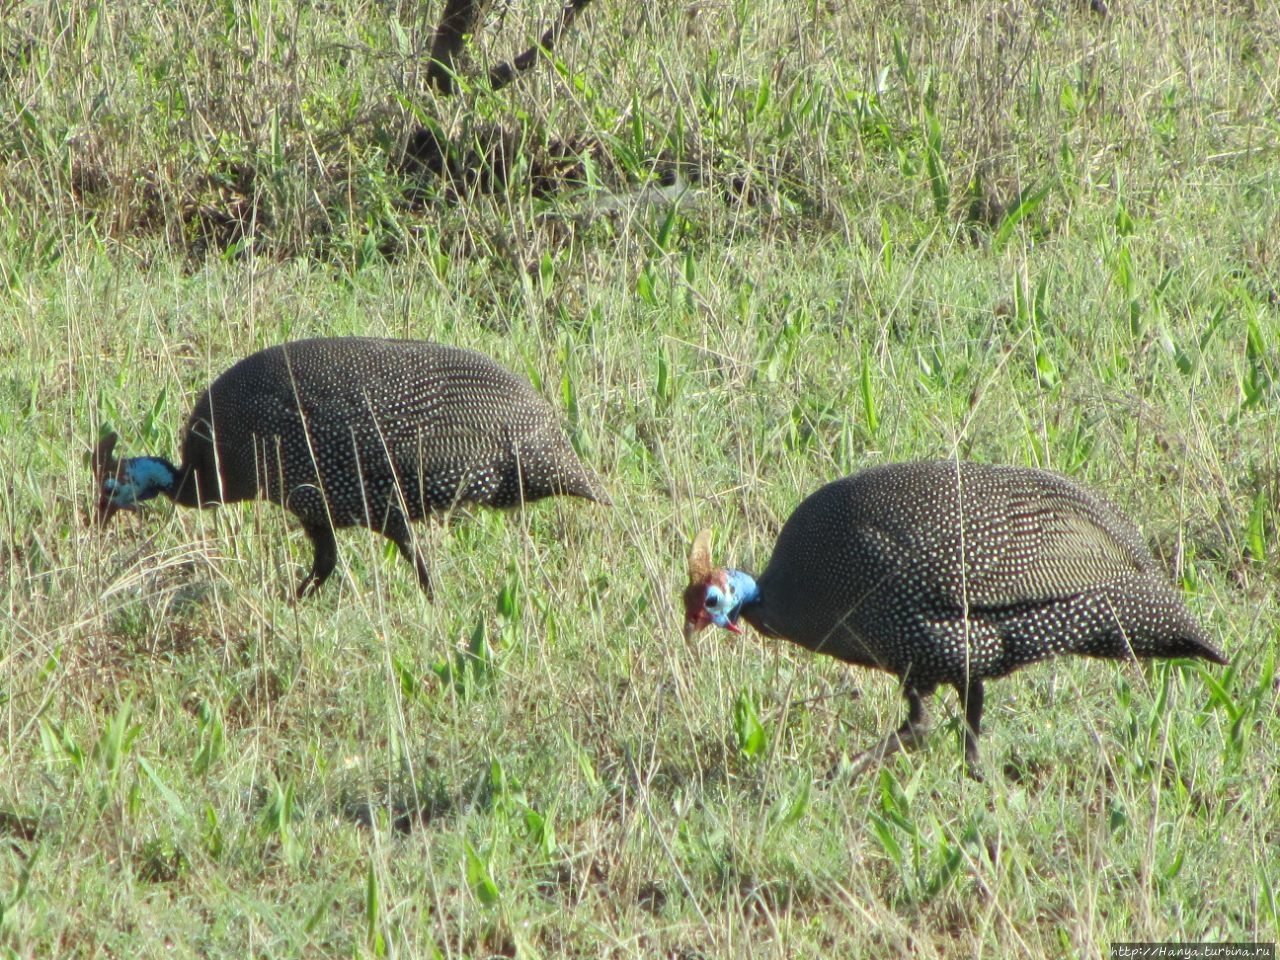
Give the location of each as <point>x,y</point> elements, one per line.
<point>588,487</point>
<point>548,466</point>
<point>1186,644</point>
<point>1147,619</point>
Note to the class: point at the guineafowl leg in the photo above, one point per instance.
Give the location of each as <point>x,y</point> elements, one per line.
<point>326,557</point>
<point>972,701</point>
<point>911,734</point>
<point>907,737</point>
<point>398,532</point>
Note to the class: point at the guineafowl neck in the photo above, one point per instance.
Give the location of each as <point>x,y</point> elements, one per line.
<point>750,605</point>
<point>147,478</point>
<point>756,613</point>
<point>189,490</point>
<point>744,586</point>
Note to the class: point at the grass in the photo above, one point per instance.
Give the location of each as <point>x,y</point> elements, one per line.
<point>746,248</point>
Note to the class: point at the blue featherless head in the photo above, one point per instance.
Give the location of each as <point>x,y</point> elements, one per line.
<point>123,484</point>
<point>715,595</point>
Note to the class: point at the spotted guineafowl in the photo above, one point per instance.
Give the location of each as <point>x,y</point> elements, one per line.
<point>952,573</point>
<point>358,431</point>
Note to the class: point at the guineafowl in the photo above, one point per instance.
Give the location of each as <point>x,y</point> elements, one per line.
<point>952,573</point>
<point>358,431</point>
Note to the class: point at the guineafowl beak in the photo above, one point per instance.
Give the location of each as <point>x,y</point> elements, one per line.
<point>106,509</point>
<point>106,473</point>
<point>696,626</point>
<point>697,617</point>
<point>726,621</point>
<point>109,507</point>
<point>115,494</point>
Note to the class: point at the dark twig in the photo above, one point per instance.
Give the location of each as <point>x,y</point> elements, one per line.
<point>504,73</point>
<point>457,21</point>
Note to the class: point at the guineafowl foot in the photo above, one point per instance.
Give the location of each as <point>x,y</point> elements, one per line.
<point>907,737</point>
<point>308,586</point>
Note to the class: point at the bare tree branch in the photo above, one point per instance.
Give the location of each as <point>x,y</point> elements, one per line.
<point>504,73</point>
<point>457,21</point>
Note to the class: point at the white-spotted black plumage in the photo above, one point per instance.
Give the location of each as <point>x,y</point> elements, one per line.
<point>359,431</point>
<point>947,573</point>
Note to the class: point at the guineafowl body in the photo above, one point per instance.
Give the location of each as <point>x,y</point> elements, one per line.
<point>946,573</point>
<point>359,431</point>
